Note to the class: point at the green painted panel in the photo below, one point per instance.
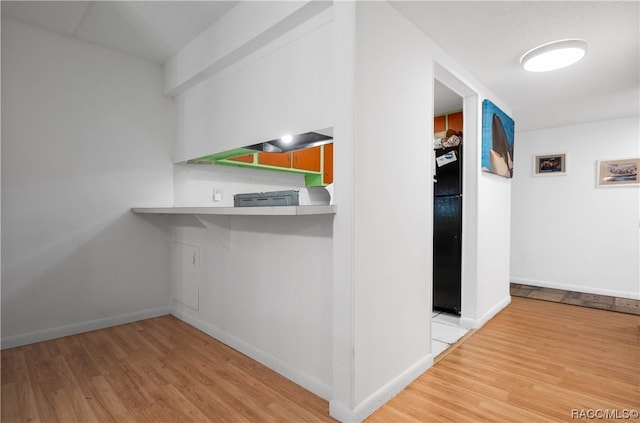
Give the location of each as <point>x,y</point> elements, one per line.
<point>213,158</point>
<point>312,179</point>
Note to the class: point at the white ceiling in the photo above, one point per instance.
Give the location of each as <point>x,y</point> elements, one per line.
<point>152,30</point>
<point>445,100</point>
<point>487,38</point>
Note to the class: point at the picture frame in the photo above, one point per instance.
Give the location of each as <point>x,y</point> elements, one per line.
<point>623,172</point>
<point>550,164</point>
<point>498,131</point>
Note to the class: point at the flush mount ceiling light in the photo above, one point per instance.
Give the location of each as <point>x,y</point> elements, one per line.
<point>554,55</point>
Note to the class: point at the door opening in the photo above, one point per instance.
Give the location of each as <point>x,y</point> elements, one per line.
<point>447,200</point>
<point>471,113</point>
<point>448,191</point>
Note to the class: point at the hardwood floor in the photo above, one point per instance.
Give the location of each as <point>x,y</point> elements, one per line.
<point>536,361</point>
<point>156,370</point>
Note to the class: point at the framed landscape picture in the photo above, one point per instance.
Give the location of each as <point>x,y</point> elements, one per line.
<point>618,172</point>
<point>550,164</point>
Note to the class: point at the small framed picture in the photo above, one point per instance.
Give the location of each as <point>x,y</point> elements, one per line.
<point>618,172</point>
<point>550,164</point>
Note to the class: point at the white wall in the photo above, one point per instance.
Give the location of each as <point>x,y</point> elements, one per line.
<point>385,184</point>
<point>393,197</point>
<point>85,136</point>
<point>494,226</point>
<point>264,282</point>
<point>382,232</point>
<point>265,289</point>
<point>248,26</point>
<point>486,203</point>
<point>194,185</point>
<point>568,233</point>
<point>282,88</point>
<point>342,403</point>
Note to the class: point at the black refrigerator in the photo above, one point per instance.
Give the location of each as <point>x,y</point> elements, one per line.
<point>447,230</point>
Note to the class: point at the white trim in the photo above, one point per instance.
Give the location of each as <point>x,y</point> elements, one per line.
<point>242,211</point>
<point>341,412</point>
<point>76,328</point>
<point>469,323</point>
<point>365,408</point>
<point>578,288</point>
<point>310,383</point>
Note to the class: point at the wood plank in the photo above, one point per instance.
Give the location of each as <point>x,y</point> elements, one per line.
<point>10,411</point>
<point>159,369</point>
<point>535,361</point>
<point>105,401</point>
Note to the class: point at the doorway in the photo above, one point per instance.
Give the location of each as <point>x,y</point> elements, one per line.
<point>448,189</point>
<point>447,199</point>
<point>471,108</point>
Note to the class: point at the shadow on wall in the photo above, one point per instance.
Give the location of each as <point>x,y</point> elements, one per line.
<point>109,269</point>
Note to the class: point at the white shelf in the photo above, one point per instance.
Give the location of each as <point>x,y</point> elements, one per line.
<point>241,211</point>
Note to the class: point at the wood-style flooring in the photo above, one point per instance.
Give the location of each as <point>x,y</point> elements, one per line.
<point>156,370</point>
<point>536,361</point>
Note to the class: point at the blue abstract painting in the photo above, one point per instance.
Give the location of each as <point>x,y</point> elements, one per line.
<point>497,140</point>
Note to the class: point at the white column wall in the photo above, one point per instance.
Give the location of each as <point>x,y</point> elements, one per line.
<point>342,396</point>
<point>393,195</point>
<point>389,221</point>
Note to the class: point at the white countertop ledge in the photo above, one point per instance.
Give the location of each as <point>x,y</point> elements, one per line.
<point>241,211</point>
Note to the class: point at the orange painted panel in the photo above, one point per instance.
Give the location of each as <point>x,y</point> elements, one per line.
<point>439,124</point>
<point>275,159</point>
<point>455,121</point>
<point>307,159</point>
<point>328,164</point>
<point>247,158</point>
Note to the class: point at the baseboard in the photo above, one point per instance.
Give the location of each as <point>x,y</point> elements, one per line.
<point>469,323</point>
<point>76,328</point>
<point>341,412</point>
<point>369,405</point>
<point>311,384</point>
<point>578,288</point>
